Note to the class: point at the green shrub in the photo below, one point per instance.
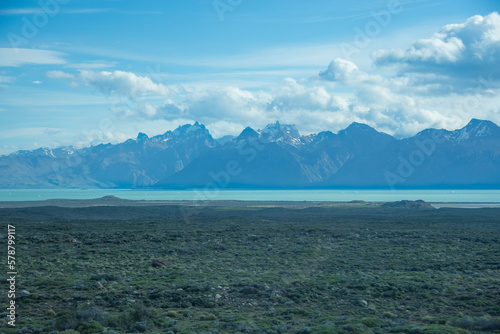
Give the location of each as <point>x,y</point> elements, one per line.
<point>51,313</point>
<point>388,315</point>
<point>370,322</point>
<point>140,326</point>
<point>434,320</point>
<point>90,327</point>
<point>323,329</point>
<point>441,329</point>
<point>354,329</point>
<point>172,314</point>
<point>89,313</point>
<point>139,312</point>
<point>485,323</point>
<point>66,320</point>
<point>118,321</point>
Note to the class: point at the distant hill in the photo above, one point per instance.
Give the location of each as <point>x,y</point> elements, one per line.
<point>408,205</point>
<point>274,157</point>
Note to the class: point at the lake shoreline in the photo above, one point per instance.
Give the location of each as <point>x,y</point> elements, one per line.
<point>116,201</point>
<point>280,196</point>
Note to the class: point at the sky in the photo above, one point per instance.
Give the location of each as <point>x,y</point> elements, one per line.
<point>84,72</point>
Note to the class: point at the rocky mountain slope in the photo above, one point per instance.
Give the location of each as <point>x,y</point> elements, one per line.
<point>274,157</point>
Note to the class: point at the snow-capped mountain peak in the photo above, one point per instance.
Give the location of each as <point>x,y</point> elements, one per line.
<point>476,128</point>
<point>281,133</point>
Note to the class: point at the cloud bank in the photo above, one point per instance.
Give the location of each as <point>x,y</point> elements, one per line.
<point>442,81</point>
<point>114,83</point>
<point>457,50</point>
<point>14,57</point>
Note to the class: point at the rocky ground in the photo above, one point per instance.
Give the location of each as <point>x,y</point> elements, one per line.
<point>322,268</point>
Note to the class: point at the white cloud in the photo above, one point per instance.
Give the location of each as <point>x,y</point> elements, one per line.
<point>122,83</point>
<point>6,78</point>
<point>296,96</point>
<point>440,49</point>
<point>59,75</point>
<point>440,82</point>
<point>404,105</point>
<point>227,110</point>
<point>397,105</point>
<point>147,108</point>
<point>92,65</point>
<point>12,57</point>
<point>117,83</point>
<point>219,129</point>
<point>465,50</point>
<point>340,70</point>
<point>225,103</point>
<point>431,86</point>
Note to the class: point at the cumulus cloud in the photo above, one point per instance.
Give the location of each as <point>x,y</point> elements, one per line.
<point>118,83</point>
<point>232,108</point>
<point>59,75</point>
<point>224,103</point>
<point>122,83</point>
<point>14,57</point>
<point>294,96</point>
<point>442,82</point>
<point>457,50</point>
<point>405,104</point>
<point>340,70</point>
<point>147,108</point>
<point>219,129</point>
<point>170,111</point>
<point>388,104</point>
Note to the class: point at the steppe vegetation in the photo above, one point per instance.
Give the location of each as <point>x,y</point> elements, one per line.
<point>256,268</point>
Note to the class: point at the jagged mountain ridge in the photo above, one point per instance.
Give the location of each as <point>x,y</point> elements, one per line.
<point>274,157</point>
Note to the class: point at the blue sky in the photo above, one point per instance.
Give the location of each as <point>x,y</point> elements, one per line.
<point>75,72</point>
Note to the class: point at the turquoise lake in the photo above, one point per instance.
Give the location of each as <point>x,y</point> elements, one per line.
<point>460,196</point>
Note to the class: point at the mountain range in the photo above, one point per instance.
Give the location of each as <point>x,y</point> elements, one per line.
<point>274,157</point>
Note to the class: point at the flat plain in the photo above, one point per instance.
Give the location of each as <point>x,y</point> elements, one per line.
<point>253,267</point>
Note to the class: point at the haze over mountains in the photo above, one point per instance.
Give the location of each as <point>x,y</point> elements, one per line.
<point>275,157</point>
